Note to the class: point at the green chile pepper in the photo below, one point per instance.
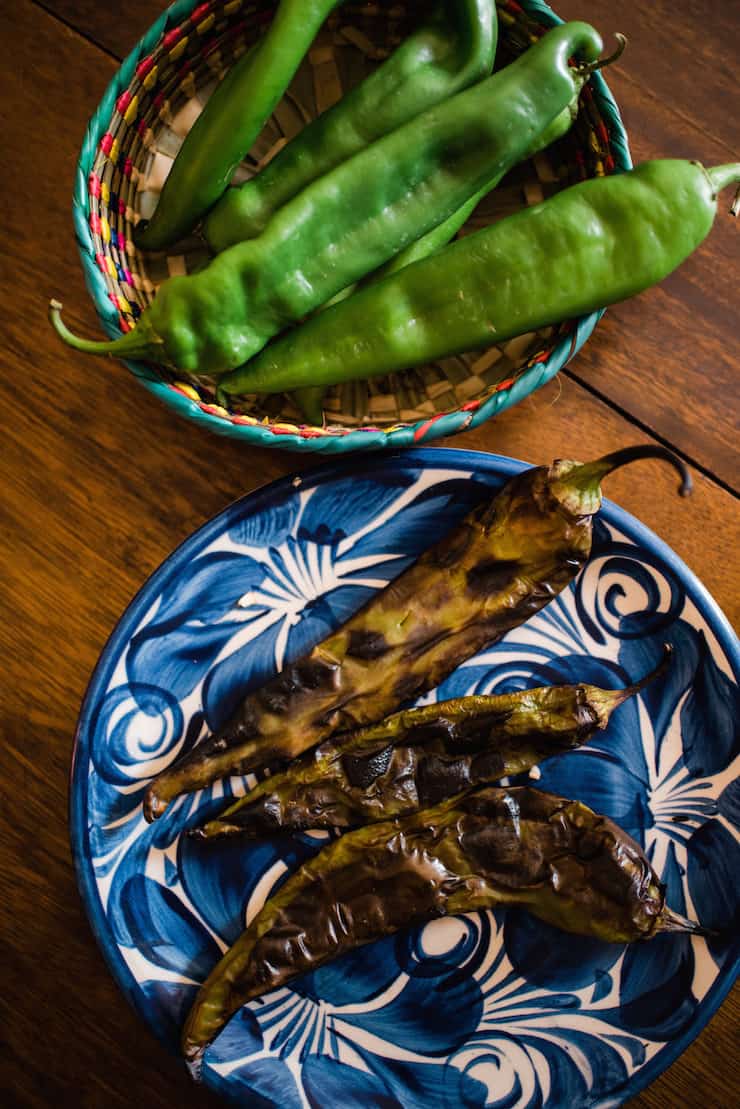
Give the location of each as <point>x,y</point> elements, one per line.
<point>590,245</point>
<point>310,397</point>
<point>444,232</point>
<point>421,756</point>
<point>504,562</point>
<point>557,858</point>
<point>230,122</point>
<point>353,219</point>
<point>453,51</point>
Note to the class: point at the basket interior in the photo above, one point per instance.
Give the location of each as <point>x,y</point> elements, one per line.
<point>166,94</point>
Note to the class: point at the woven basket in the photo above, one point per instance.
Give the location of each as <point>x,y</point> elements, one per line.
<point>136,133</point>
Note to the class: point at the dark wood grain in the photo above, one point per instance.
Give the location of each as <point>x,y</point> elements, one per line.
<point>116,27</point>
<point>670,356</point>
<point>99,484</point>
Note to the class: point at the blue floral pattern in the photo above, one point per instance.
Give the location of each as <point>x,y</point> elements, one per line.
<point>489,1009</point>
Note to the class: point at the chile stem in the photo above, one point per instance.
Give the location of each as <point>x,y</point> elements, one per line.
<point>134,344</point>
<point>589,475</point>
<point>670,921</point>
<point>722,176</point>
<point>605,701</point>
<point>587,68</point>
<point>654,673</point>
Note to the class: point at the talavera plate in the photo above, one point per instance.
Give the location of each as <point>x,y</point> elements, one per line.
<point>489,1009</point>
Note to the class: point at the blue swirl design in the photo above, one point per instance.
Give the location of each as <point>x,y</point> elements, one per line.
<point>489,1009</point>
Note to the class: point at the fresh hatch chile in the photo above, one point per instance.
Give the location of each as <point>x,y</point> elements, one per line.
<point>454,50</point>
<point>230,122</point>
<point>444,232</point>
<point>589,246</point>
<point>351,220</point>
<point>506,560</point>
<point>556,858</point>
<point>310,397</point>
<point>421,756</point>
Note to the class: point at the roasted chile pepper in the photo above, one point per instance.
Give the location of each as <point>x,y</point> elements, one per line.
<point>453,51</point>
<point>557,858</point>
<point>421,756</point>
<point>230,122</point>
<point>504,562</point>
<point>353,219</point>
<point>588,246</point>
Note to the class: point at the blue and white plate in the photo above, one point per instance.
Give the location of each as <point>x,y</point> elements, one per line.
<point>488,1009</point>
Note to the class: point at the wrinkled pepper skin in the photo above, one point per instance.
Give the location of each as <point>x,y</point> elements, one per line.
<point>504,562</point>
<point>421,756</point>
<point>231,121</point>
<point>589,246</point>
<point>557,858</point>
<point>453,51</point>
<point>349,222</point>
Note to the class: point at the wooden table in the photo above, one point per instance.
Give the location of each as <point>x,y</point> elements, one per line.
<point>100,483</point>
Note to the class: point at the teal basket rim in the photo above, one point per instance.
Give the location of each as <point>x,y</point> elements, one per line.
<point>331,440</point>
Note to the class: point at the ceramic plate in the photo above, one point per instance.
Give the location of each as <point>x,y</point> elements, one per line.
<point>488,1009</point>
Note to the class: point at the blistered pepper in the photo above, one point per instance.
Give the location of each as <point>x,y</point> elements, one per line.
<point>421,756</point>
<point>504,562</point>
<point>556,858</point>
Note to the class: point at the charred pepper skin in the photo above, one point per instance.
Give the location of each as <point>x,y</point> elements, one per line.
<point>557,858</point>
<point>453,51</point>
<point>231,121</point>
<point>504,562</point>
<point>351,220</point>
<point>589,246</point>
<point>419,757</point>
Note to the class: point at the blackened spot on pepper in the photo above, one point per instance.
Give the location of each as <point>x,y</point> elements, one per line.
<point>408,686</point>
<point>313,673</point>
<point>422,640</point>
<point>316,673</point>
<point>486,767</point>
<point>244,724</point>
<point>473,732</point>
<point>438,777</point>
<point>441,728</point>
<point>367,644</point>
<point>452,548</point>
<point>362,770</point>
<point>492,575</point>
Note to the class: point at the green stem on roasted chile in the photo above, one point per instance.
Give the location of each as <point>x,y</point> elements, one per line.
<point>421,756</point>
<point>557,858</point>
<point>505,561</point>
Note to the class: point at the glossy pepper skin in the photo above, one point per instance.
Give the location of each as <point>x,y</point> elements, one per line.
<point>353,219</point>
<point>230,122</point>
<point>504,562</point>
<point>557,858</point>
<point>421,756</point>
<point>310,397</point>
<point>590,245</point>
<point>454,50</point>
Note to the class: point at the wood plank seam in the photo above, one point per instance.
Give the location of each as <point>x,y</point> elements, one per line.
<point>647,430</point>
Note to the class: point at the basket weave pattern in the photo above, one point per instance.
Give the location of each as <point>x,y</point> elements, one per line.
<point>139,127</point>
